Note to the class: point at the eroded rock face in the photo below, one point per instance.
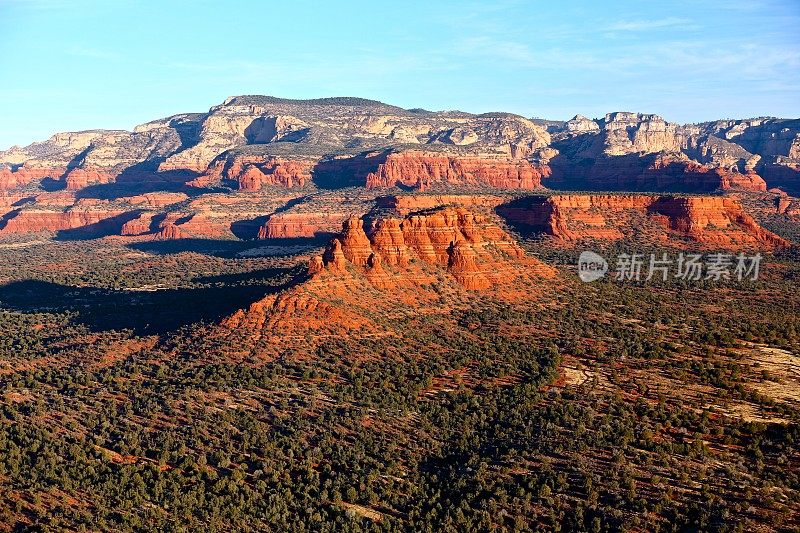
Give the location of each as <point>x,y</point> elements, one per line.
<point>150,215</point>
<point>581,124</point>
<point>304,126</point>
<point>631,151</point>
<point>93,221</point>
<point>679,173</point>
<point>169,231</point>
<point>301,225</point>
<point>253,143</point>
<point>710,221</point>
<point>76,179</point>
<point>17,177</point>
<point>254,172</point>
<point>469,246</point>
<point>141,225</point>
<point>223,128</point>
<point>298,312</point>
<point>785,204</point>
<point>80,159</point>
<point>421,171</point>
<point>627,133</point>
<point>390,267</point>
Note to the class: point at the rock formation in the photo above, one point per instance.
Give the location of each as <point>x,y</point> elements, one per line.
<point>786,205</point>
<point>141,216</point>
<point>251,142</point>
<point>421,171</point>
<point>235,166</point>
<point>254,172</point>
<point>92,221</point>
<point>630,151</point>
<point>77,160</point>
<point>469,246</point>
<point>301,225</point>
<point>708,221</point>
<point>390,267</point>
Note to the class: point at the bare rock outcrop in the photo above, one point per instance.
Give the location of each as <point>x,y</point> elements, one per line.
<point>421,171</point>
<point>469,246</point>
<point>627,133</point>
<point>706,221</point>
<point>301,225</point>
<point>390,267</point>
<point>94,221</point>
<point>258,143</point>
<point>254,172</point>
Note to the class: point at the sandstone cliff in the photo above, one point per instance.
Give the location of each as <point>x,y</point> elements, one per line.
<point>151,215</point>
<point>91,221</point>
<point>394,266</point>
<point>421,171</point>
<point>469,246</point>
<point>262,145</point>
<point>708,221</point>
<point>252,172</point>
<point>630,151</point>
<point>301,225</point>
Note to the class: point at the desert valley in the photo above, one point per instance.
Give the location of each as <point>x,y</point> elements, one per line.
<point>339,314</point>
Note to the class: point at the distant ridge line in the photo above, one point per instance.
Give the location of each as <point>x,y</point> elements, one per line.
<point>255,99</point>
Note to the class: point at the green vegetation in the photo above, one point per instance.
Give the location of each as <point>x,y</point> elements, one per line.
<point>461,421</point>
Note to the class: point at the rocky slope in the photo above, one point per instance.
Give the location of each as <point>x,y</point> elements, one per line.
<point>708,221</point>
<point>148,216</point>
<point>254,142</point>
<point>376,267</point>
<point>252,172</point>
<point>630,151</point>
<point>238,165</point>
<point>468,245</point>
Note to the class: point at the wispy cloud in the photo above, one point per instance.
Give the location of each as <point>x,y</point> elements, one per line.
<point>654,24</point>
<point>498,48</point>
<point>679,60</point>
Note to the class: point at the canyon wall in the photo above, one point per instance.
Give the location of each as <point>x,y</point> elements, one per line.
<point>421,171</point>
<point>250,143</point>
<point>709,221</point>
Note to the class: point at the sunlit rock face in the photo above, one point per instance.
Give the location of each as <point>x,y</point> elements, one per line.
<point>250,155</point>
<point>469,246</point>
<point>709,221</point>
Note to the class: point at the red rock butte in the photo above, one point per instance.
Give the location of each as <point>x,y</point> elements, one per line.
<point>389,262</point>
<point>422,171</point>
<point>469,246</point>
<point>709,221</point>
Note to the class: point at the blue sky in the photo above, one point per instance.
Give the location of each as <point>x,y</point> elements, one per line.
<point>77,64</point>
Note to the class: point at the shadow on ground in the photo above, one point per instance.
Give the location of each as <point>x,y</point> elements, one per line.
<point>149,312</point>
<point>228,249</point>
